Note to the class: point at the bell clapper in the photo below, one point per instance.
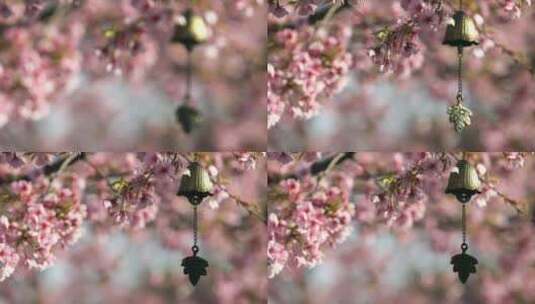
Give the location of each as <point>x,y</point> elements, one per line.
<point>195,187</point>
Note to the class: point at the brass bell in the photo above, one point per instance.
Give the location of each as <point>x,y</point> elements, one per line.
<point>196,186</point>
<point>192,31</point>
<point>188,117</point>
<point>462,32</point>
<point>464,183</point>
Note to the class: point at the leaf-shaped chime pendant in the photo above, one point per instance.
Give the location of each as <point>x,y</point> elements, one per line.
<point>464,264</point>
<point>463,183</point>
<point>195,187</point>
<point>194,267</point>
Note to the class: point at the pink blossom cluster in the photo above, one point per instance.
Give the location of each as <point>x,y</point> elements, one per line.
<point>137,184</point>
<point>307,218</point>
<point>23,10</point>
<point>400,49</point>
<point>515,159</point>
<point>247,160</point>
<point>308,68</point>
<point>18,159</point>
<point>37,65</point>
<point>36,220</point>
<point>129,43</point>
<point>241,163</point>
<point>401,200</point>
<point>282,8</point>
<point>146,181</point>
<point>513,8</point>
<point>246,7</point>
<point>129,51</point>
<point>46,198</point>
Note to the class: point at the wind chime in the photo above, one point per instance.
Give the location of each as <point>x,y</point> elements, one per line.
<point>190,31</point>
<point>195,187</point>
<point>463,183</point>
<point>460,34</point>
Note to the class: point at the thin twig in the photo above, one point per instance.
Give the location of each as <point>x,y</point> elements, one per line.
<point>515,204</point>
<point>320,16</point>
<point>251,208</point>
<point>316,168</point>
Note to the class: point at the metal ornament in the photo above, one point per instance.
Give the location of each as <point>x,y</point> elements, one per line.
<point>195,187</point>
<point>194,267</point>
<point>189,118</point>
<point>464,264</point>
<point>461,33</point>
<point>190,31</point>
<point>463,183</point>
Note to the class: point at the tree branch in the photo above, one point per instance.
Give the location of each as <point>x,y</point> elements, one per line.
<point>328,163</point>
<point>316,168</point>
<point>519,206</point>
<point>252,209</point>
<point>55,167</point>
<point>60,165</point>
<point>322,14</point>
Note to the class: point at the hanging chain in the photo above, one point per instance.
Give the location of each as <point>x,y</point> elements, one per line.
<point>195,248</point>
<point>464,245</point>
<point>460,75</point>
<point>460,67</point>
<point>189,75</point>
